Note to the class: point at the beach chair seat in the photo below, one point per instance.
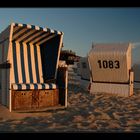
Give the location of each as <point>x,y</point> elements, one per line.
<point>34,86</point>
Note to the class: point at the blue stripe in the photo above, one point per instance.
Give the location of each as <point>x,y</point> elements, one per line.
<point>56,32</point>
<point>48,30</point>
<point>43,86</point>
<point>19,86</point>
<point>21,28</point>
<point>15,63</point>
<point>37,36</point>
<point>16,24</point>
<point>33,26</point>
<point>29,63</point>
<point>22,63</point>
<point>27,37</point>
<point>35,86</point>
<point>50,86</point>
<point>43,38</point>
<point>27,86</point>
<point>41,28</point>
<point>25,32</point>
<point>36,64</point>
<point>24,25</point>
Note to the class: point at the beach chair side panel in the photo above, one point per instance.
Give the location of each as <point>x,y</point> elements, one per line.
<point>4,66</point>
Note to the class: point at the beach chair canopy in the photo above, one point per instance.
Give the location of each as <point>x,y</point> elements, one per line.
<point>33,53</point>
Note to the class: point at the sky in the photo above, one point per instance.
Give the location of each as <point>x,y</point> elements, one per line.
<point>81,26</point>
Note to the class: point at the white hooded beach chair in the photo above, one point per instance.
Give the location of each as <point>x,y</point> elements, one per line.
<point>110,68</point>
<point>30,76</point>
<point>85,72</point>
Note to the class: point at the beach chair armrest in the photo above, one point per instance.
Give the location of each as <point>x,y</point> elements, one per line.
<point>131,80</point>
<point>62,77</point>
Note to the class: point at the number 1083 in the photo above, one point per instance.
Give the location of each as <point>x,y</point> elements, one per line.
<point>109,64</point>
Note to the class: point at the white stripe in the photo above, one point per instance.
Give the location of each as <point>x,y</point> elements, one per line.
<point>31,86</point>
<point>12,76</point>
<point>60,45</point>
<point>13,24</point>
<point>26,63</point>
<point>19,24</point>
<point>15,86</point>
<point>47,86</point>
<point>39,64</point>
<point>52,31</point>
<point>18,62</point>
<point>45,29</point>
<point>53,86</point>
<point>58,32</point>
<point>39,86</point>
<point>33,63</point>
<point>23,86</point>
<point>29,26</point>
<point>37,28</point>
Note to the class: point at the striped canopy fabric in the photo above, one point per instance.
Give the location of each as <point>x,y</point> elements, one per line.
<point>26,72</point>
<point>32,34</point>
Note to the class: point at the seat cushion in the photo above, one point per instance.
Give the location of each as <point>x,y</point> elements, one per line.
<point>25,86</point>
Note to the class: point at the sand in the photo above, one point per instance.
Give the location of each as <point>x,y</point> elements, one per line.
<point>85,113</point>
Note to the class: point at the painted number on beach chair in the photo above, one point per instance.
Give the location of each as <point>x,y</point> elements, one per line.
<point>109,64</point>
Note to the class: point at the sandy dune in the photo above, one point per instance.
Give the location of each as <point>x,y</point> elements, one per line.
<point>85,113</point>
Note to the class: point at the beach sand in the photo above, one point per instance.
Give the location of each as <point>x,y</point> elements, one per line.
<point>85,113</point>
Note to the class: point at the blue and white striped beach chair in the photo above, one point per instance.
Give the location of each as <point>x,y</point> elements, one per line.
<point>29,66</point>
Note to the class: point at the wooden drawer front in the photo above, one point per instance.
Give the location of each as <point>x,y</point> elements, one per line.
<point>34,99</point>
<point>48,98</point>
<point>45,98</point>
<point>21,99</point>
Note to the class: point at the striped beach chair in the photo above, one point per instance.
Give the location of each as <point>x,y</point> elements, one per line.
<point>32,77</point>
